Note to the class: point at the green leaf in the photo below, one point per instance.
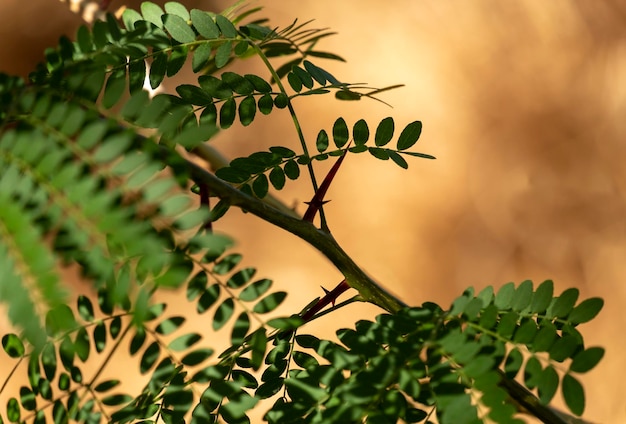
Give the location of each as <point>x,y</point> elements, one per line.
<point>227,263</point>
<point>384,132</point>
<point>542,297</point>
<point>340,132</point>
<point>215,87</point>
<point>238,84</point>
<point>137,341</point>
<point>379,153</point>
<point>201,57</point>
<point>100,336</point>
<point>317,73</point>
<point>544,339</point>
<point>177,9</point>
<point>152,13</point>
<point>526,332</point>
<point>58,319</point>
<point>259,83</point>
<point>106,385</point>
<point>322,141</point>
<point>241,278</point>
<point>193,95</point>
<point>292,170</point>
<point>82,344</point>
<point>178,28</point>
<point>360,132</point>
<point>226,27</point>
<point>12,345</point>
<point>149,357</point>
<point>85,308</point>
<point>195,357</point>
<point>504,298</point>
<point>247,110</point>
<point>398,160</point>
<point>223,313</point>
<point>548,384</point>
<point>573,394</point>
<point>255,290</point>
<point>227,113</point>
<point>564,304</point>
<point>281,101</point>
<point>587,359</point>
<point>564,348</point>
<point>303,76</point>
<point>260,186</point>
<point>184,342</point>
<point>523,296</point>
<point>586,310</point>
<point>532,372</point>
<point>130,17</point>
<point>277,178</point>
<point>114,88</point>
<point>49,361</point>
<point>13,410</point>
<point>177,59</point>
<point>409,135</point>
<point>294,82</point>
<point>169,325</point>
<point>208,298</point>
<point>269,303</point>
<point>205,25</point>
<point>266,104</point>
<point>240,329</point>
<point>222,54</point>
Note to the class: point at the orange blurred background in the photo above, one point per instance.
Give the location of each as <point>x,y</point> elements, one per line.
<point>523,105</point>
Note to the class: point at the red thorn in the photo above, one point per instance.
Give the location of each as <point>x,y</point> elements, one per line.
<point>330,297</point>
<point>318,198</point>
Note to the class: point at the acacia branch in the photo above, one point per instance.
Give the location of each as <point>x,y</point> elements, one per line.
<point>369,289</point>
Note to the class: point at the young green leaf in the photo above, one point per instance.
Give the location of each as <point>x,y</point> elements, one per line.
<point>504,298</point>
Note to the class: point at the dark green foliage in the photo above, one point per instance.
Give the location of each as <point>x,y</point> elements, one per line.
<point>80,186</point>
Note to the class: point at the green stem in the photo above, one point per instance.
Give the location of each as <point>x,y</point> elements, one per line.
<point>296,122</point>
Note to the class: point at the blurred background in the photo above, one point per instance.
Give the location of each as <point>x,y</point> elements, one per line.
<point>523,104</point>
